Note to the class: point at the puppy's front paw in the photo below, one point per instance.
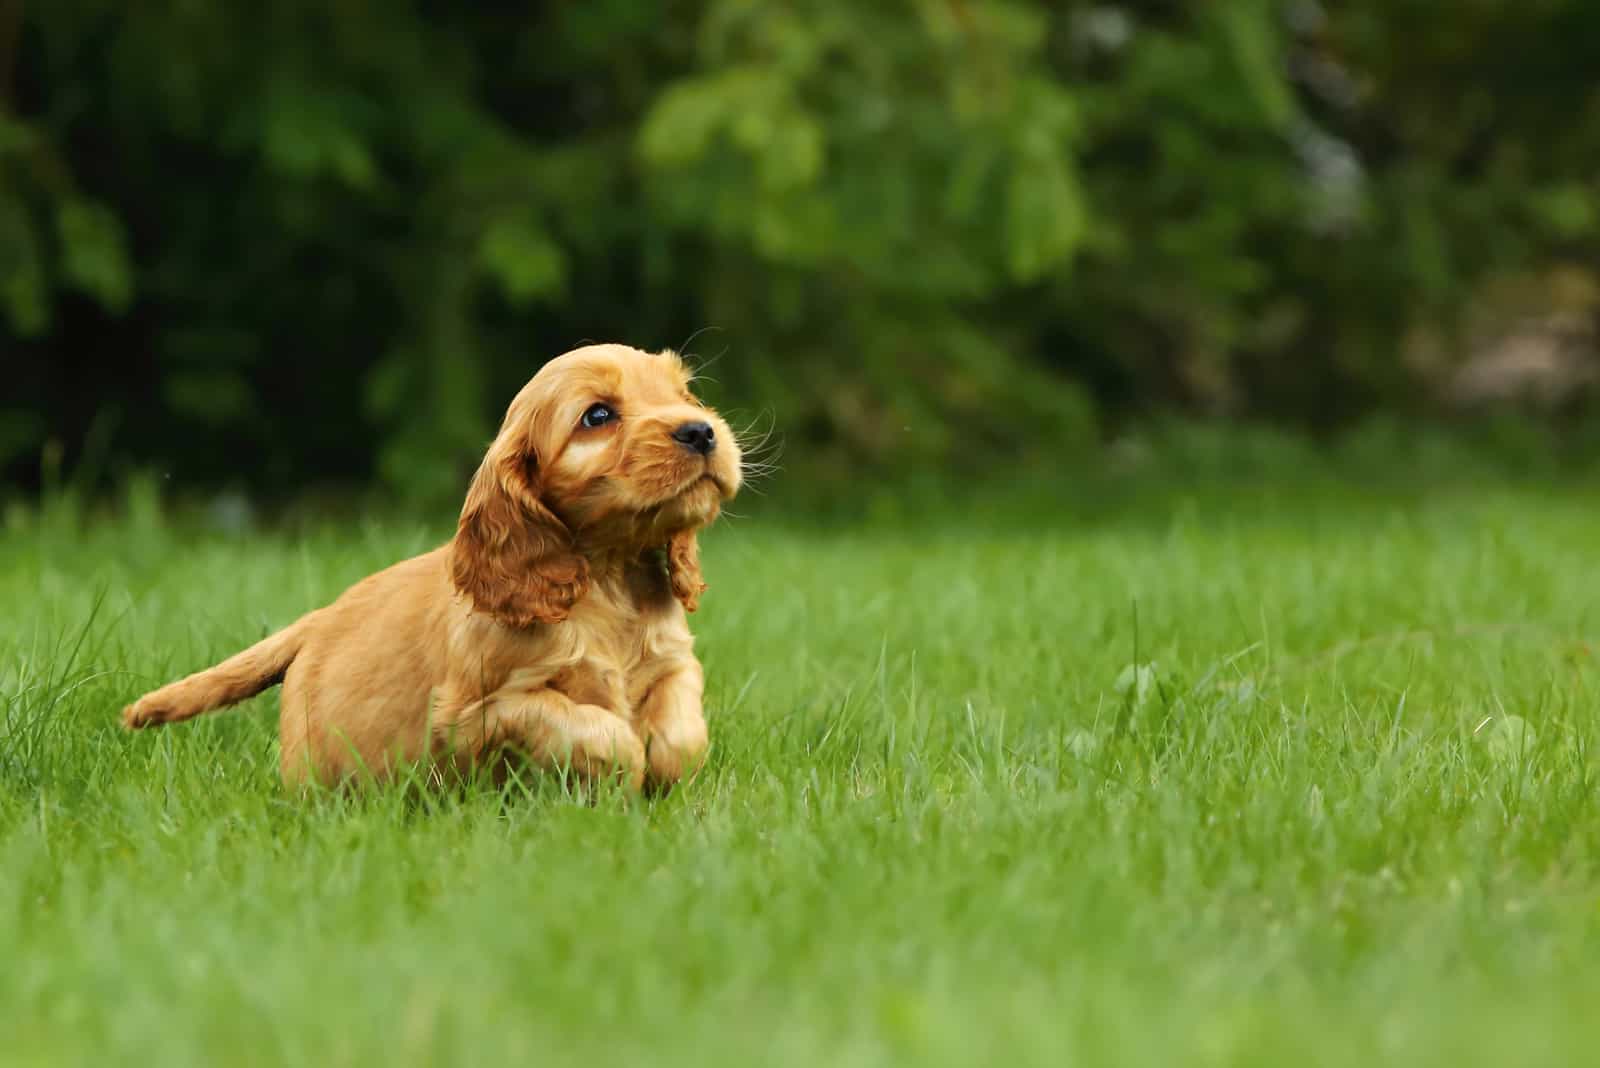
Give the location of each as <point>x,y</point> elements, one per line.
<point>675,755</point>
<point>143,713</point>
<point>613,752</point>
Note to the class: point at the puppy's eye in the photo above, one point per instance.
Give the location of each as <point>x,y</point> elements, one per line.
<point>598,415</point>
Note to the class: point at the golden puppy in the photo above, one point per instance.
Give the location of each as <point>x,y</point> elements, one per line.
<point>552,625</point>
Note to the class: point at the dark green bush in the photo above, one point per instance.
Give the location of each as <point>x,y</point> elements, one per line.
<point>301,242</point>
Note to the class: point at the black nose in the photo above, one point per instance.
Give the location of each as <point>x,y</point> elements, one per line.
<point>698,437</point>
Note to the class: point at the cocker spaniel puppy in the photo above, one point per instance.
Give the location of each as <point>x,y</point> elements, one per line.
<point>552,626</point>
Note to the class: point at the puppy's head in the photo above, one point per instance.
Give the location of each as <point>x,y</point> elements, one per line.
<point>606,450</point>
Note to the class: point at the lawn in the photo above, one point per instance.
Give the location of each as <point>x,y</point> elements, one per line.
<point>1260,775</point>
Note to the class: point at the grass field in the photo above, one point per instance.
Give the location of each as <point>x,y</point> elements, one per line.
<point>1345,813</point>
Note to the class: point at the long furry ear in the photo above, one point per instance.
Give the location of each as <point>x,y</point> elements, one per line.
<point>683,567</point>
<point>511,555</point>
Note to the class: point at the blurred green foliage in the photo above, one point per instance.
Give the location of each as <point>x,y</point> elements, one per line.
<point>298,242</point>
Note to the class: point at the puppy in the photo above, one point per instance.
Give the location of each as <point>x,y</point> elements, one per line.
<point>552,627</point>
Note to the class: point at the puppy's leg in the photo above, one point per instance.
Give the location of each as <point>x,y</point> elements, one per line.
<point>674,727</point>
<point>553,731</point>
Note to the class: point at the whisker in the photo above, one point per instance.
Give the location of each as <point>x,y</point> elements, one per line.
<point>756,449</point>
<point>683,349</point>
<point>752,440</point>
<point>705,363</point>
<point>753,479</point>
<point>763,454</point>
<point>699,365</point>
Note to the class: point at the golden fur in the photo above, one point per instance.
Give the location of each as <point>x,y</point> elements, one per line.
<point>552,626</point>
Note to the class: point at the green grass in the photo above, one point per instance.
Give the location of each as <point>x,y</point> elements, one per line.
<point>944,822</point>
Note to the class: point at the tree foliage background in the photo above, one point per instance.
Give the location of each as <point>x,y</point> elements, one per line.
<point>324,240</point>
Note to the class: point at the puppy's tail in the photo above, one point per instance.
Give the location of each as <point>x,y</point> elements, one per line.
<point>240,676</point>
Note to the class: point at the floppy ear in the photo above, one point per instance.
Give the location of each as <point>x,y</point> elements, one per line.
<point>683,567</point>
<point>511,555</point>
